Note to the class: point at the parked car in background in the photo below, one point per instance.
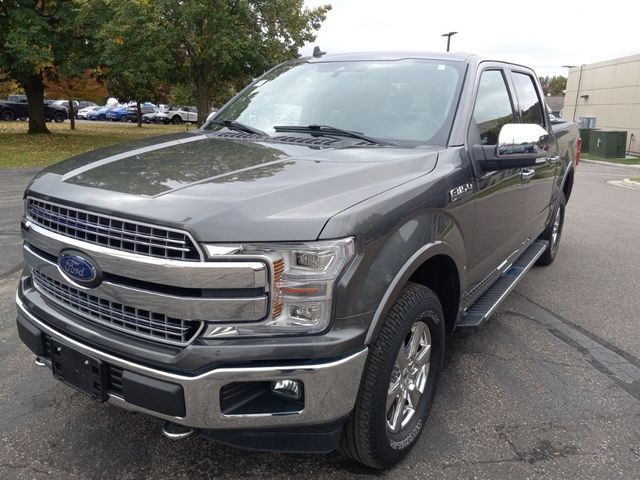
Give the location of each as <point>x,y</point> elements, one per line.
<point>101,113</point>
<point>177,115</point>
<point>85,103</point>
<point>83,112</point>
<point>146,107</point>
<point>152,117</point>
<point>65,104</point>
<point>18,110</point>
<point>77,105</point>
<point>117,114</point>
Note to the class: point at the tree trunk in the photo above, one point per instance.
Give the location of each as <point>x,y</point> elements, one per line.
<point>72,114</point>
<point>139,114</point>
<point>34,88</point>
<point>202,94</point>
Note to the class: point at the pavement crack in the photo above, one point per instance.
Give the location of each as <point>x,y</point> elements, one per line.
<point>534,359</point>
<point>622,368</point>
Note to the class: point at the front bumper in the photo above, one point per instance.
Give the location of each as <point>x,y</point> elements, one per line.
<point>330,388</point>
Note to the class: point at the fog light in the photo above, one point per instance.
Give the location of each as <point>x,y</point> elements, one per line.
<point>305,314</point>
<point>287,388</point>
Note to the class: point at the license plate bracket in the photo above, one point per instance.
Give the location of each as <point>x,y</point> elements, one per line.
<point>84,373</point>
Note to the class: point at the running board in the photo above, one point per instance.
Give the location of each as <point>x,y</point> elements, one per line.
<point>488,303</point>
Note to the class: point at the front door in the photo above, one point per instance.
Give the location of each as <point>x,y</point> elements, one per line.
<point>501,202</point>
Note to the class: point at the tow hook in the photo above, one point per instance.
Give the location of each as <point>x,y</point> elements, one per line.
<point>173,431</point>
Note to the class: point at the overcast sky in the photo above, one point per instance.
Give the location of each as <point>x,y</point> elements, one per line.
<point>541,35</point>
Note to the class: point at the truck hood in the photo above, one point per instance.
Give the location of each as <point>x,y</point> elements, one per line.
<point>224,190</point>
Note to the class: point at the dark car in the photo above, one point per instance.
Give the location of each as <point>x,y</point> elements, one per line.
<point>18,110</point>
<point>287,277</point>
<point>132,110</point>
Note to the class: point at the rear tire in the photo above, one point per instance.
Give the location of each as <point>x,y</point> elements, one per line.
<point>553,234</point>
<point>398,382</point>
<point>176,120</point>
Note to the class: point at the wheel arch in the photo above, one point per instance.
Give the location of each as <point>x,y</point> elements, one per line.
<point>567,184</point>
<point>434,267</point>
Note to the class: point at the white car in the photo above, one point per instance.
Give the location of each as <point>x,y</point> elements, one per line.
<point>178,115</point>
<point>83,112</point>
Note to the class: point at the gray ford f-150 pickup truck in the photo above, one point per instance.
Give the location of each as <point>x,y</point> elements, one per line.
<point>285,277</point>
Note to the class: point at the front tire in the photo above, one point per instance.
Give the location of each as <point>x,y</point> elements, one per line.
<point>399,380</point>
<point>8,115</point>
<point>553,234</point>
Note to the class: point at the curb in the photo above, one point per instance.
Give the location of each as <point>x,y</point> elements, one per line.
<point>609,164</point>
<point>630,183</point>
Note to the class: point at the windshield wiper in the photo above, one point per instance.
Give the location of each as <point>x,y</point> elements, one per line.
<point>328,130</point>
<point>240,127</point>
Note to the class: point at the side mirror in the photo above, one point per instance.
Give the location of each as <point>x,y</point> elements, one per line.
<point>522,139</point>
<point>519,146</point>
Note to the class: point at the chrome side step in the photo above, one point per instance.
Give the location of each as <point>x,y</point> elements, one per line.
<point>488,303</point>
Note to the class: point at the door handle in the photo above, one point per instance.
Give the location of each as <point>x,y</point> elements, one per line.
<point>553,158</point>
<point>527,174</point>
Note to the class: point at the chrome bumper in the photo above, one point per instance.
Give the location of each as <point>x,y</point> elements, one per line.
<point>330,388</point>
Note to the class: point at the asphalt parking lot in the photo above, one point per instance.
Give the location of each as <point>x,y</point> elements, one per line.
<point>549,388</point>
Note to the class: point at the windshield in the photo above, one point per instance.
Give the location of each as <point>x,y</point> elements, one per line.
<point>409,102</point>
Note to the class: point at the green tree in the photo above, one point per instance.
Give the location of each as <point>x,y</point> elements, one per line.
<point>38,36</point>
<point>557,85</point>
<point>224,44</point>
<point>135,50</point>
<point>26,52</point>
<point>75,56</point>
<point>554,86</point>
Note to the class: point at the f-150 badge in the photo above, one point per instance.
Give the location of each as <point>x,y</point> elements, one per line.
<point>456,193</point>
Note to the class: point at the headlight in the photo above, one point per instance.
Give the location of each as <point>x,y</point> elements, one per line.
<point>302,281</point>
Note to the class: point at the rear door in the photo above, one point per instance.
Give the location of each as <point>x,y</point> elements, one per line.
<point>538,179</point>
<point>501,205</point>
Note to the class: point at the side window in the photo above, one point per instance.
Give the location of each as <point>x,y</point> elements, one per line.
<point>528,98</point>
<point>493,106</point>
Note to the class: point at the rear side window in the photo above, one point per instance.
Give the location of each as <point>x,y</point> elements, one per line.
<point>493,106</point>
<point>531,107</point>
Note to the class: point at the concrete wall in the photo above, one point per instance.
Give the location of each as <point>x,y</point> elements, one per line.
<point>613,89</point>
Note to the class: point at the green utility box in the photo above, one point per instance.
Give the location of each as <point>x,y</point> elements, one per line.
<point>608,144</point>
<point>585,135</point>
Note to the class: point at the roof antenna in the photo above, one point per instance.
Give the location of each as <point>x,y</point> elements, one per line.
<point>317,53</point>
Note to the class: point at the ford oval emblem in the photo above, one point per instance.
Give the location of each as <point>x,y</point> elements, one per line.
<point>79,268</point>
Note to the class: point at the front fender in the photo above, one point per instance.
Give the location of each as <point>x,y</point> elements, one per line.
<point>384,266</point>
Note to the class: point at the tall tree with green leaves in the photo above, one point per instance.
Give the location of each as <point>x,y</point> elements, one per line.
<point>135,50</point>
<point>39,36</point>
<point>25,52</point>
<point>224,44</point>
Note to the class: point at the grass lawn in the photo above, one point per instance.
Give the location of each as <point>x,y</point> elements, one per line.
<point>19,150</point>
<point>623,161</point>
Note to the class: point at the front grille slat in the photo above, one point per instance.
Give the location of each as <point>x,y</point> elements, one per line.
<point>135,321</point>
<point>113,232</point>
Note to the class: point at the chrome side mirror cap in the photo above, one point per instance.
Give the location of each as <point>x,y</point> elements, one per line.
<point>522,140</point>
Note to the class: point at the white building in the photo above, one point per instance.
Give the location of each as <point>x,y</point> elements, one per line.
<point>609,92</point>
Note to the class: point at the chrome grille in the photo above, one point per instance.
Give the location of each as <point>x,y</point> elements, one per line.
<point>112,232</point>
<point>135,321</point>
